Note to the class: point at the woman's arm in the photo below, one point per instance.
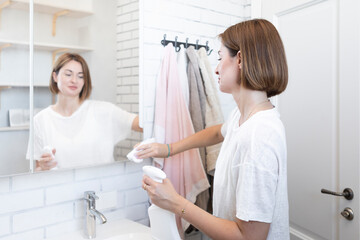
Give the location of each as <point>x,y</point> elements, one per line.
<point>135,125</point>
<point>218,228</point>
<point>165,196</point>
<point>207,137</point>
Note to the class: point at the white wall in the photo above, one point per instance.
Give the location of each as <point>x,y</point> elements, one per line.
<point>99,32</point>
<point>202,20</point>
<point>127,66</point>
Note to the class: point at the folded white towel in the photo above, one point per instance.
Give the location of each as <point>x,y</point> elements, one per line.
<point>131,155</point>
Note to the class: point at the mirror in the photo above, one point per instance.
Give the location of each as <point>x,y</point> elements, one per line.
<point>90,28</point>
<point>14,88</point>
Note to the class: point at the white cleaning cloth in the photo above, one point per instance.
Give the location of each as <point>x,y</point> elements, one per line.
<point>131,155</point>
<point>48,149</point>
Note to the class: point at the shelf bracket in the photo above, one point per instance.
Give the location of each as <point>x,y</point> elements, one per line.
<point>54,53</point>
<point>2,6</point>
<point>56,15</point>
<point>1,48</point>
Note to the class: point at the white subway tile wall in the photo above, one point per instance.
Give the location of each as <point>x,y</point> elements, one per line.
<point>44,205</point>
<point>19,201</point>
<point>38,217</point>
<point>4,185</point>
<point>36,181</point>
<point>127,64</point>
<point>106,201</point>
<point>5,225</point>
<point>58,229</point>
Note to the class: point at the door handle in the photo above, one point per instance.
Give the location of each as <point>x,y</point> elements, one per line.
<point>347,193</point>
<point>348,213</point>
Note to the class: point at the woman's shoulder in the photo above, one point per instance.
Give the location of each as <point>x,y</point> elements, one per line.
<point>268,125</point>
<point>98,107</point>
<point>99,104</point>
<point>103,108</point>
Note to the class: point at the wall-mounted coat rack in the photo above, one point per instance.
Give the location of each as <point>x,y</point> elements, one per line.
<point>186,44</point>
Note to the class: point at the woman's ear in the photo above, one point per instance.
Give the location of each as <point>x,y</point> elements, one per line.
<point>54,76</point>
<point>238,58</point>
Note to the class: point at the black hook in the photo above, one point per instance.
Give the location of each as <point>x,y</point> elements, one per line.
<point>207,48</point>
<point>177,48</point>
<point>163,42</point>
<point>197,43</point>
<point>186,43</point>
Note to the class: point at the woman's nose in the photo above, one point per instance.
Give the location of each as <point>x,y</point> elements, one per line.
<point>73,78</point>
<point>216,70</point>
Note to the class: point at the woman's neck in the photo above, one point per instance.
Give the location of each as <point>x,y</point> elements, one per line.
<point>66,106</point>
<point>250,102</point>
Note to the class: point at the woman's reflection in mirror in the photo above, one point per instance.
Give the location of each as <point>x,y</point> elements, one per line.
<point>76,131</point>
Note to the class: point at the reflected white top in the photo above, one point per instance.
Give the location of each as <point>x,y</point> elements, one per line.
<point>87,137</point>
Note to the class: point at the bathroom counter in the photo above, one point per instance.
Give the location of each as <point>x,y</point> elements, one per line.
<point>122,229</point>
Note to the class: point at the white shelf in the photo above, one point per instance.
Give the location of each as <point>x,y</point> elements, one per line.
<point>53,47</point>
<point>4,85</point>
<point>51,7</point>
<point>46,46</point>
<point>8,129</point>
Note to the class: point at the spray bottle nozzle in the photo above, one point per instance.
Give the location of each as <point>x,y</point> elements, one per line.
<point>155,173</point>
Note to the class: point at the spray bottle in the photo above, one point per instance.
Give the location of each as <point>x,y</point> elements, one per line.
<point>162,222</point>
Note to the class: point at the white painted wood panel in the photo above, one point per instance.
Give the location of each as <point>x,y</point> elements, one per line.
<point>320,110</point>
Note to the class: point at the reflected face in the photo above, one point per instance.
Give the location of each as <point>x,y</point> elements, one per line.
<point>228,70</point>
<point>70,79</point>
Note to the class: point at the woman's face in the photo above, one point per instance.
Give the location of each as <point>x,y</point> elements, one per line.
<point>70,79</point>
<point>228,70</point>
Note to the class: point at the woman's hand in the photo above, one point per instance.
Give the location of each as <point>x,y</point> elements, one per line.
<point>163,194</point>
<point>151,150</point>
<point>46,161</point>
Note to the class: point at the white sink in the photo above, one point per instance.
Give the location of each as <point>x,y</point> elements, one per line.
<point>132,236</point>
<point>123,229</point>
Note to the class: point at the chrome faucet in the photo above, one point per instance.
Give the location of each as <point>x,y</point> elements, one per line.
<point>91,214</point>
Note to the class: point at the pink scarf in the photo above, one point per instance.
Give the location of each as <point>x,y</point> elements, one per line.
<point>173,123</point>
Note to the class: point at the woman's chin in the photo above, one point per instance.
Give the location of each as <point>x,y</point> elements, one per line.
<point>223,90</point>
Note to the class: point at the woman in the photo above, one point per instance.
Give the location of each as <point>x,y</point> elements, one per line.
<point>250,184</point>
<point>78,131</point>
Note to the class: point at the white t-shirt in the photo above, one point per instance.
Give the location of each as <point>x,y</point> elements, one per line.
<point>251,174</point>
<point>87,137</point>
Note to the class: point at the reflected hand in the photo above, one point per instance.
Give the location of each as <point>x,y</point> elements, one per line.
<point>46,161</point>
<point>163,194</point>
<point>151,150</point>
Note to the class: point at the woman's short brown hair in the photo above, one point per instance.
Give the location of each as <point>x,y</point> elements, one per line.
<point>62,61</point>
<point>263,60</point>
